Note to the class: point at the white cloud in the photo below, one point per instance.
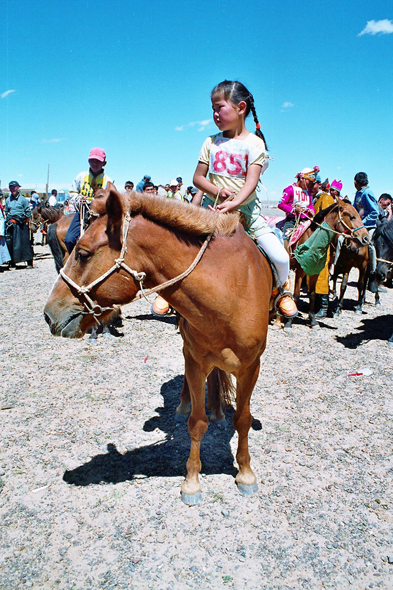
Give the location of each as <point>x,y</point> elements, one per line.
<point>55,140</point>
<point>374,27</point>
<point>6,93</point>
<point>200,124</point>
<point>287,105</point>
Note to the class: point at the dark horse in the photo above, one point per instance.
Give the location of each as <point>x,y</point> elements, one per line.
<point>344,220</point>
<point>146,241</point>
<point>383,242</point>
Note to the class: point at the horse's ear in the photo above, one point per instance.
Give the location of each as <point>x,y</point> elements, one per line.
<point>115,206</point>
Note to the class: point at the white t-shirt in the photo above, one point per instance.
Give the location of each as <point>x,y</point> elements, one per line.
<point>52,201</point>
<point>228,160</point>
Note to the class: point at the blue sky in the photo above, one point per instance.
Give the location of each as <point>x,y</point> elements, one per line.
<point>135,78</point>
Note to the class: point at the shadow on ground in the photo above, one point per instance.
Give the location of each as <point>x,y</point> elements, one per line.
<point>165,458</point>
<point>379,328</point>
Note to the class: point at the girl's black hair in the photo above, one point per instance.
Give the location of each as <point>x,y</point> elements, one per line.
<point>236,92</point>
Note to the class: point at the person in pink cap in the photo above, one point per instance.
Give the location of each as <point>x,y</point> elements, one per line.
<point>82,192</point>
<point>335,189</point>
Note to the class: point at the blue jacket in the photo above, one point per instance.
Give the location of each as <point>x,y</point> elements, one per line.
<point>365,199</point>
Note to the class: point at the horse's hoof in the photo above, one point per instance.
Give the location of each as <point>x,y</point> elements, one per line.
<point>288,332</point>
<point>191,499</point>
<point>315,326</point>
<point>222,424</point>
<point>181,417</point>
<point>377,305</point>
<point>246,490</point>
<point>390,343</point>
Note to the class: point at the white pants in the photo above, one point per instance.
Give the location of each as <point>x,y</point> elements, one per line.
<point>276,251</point>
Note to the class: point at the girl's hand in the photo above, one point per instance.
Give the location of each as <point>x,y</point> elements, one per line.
<point>227,207</point>
<point>225,193</point>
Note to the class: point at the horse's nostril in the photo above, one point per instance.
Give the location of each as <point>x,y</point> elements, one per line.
<point>366,240</point>
<point>47,319</point>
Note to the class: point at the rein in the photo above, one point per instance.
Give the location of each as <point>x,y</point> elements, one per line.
<point>96,310</point>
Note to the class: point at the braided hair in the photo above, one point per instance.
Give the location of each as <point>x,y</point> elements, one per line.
<point>236,92</point>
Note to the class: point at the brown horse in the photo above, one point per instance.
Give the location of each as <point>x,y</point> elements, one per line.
<point>44,216</point>
<point>223,302</point>
<point>347,260</point>
<point>56,240</point>
<point>58,229</point>
<point>344,220</point>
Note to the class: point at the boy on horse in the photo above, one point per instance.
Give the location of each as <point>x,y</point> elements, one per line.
<point>82,192</point>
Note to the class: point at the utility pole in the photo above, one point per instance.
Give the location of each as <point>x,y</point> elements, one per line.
<point>47,185</point>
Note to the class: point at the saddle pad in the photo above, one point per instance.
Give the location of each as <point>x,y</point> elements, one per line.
<point>301,228</point>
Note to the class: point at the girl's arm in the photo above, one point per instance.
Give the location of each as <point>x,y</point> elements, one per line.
<point>253,174</point>
<point>201,182</point>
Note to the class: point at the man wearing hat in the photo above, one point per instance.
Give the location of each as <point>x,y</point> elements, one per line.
<point>366,205</point>
<point>141,185</point>
<point>17,214</point>
<point>174,192</point>
<point>82,193</point>
<point>180,186</point>
<point>296,201</point>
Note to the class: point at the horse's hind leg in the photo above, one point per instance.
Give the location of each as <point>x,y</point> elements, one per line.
<point>197,426</point>
<point>183,409</point>
<point>245,479</point>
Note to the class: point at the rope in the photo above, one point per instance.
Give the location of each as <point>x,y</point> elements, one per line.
<point>383,260</point>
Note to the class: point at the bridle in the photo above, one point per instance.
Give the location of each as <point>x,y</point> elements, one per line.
<point>349,232</point>
<point>95,309</point>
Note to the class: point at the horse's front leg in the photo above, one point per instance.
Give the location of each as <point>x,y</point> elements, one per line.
<point>197,426</point>
<point>343,288</point>
<point>245,479</point>
<point>361,290</point>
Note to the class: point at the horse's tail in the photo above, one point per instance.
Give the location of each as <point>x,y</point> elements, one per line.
<point>220,389</point>
<point>54,246</point>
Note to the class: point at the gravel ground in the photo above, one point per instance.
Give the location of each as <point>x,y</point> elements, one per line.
<point>92,460</point>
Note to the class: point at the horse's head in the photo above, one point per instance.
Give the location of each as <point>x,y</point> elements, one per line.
<point>85,290</point>
<point>350,224</point>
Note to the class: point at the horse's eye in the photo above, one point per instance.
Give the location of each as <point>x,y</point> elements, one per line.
<point>82,255</point>
<point>352,217</point>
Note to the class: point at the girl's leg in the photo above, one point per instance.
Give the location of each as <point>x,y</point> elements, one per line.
<point>279,256</point>
<point>276,251</point>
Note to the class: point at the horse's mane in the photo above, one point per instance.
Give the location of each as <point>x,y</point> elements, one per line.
<point>319,217</point>
<point>183,216</point>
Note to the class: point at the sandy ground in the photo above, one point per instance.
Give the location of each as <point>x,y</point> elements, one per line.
<point>92,460</point>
